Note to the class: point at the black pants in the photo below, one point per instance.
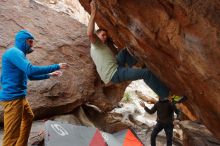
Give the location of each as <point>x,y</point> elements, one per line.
<point>168,128</point>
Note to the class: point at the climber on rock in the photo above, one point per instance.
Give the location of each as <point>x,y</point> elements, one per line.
<point>16,69</point>
<point>113,69</point>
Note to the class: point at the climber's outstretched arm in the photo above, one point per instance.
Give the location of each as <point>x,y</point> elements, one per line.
<point>90,30</point>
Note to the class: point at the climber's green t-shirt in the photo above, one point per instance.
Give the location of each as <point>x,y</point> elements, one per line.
<point>104,59</point>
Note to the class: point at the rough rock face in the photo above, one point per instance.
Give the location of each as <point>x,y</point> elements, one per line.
<point>178,40</point>
<point>70,7</point>
<point>58,39</point>
<point>197,135</point>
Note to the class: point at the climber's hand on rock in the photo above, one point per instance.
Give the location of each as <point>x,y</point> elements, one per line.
<point>93,6</point>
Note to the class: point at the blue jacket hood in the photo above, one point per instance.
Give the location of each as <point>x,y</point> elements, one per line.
<point>20,40</point>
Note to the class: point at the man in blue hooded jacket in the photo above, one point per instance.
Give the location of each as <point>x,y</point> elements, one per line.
<point>16,69</point>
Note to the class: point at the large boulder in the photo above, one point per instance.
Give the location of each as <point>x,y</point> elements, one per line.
<point>195,134</point>
<point>59,38</point>
<point>178,40</point>
<point>71,7</point>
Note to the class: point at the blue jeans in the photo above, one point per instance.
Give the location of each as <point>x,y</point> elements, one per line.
<point>130,74</point>
<point>124,57</point>
<point>168,128</point>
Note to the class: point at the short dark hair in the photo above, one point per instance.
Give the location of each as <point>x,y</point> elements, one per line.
<point>101,29</point>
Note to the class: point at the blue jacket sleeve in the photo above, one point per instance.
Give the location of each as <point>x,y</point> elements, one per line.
<point>19,60</point>
<point>39,77</point>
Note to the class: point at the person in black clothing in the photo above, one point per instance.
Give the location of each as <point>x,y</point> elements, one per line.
<point>165,118</point>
